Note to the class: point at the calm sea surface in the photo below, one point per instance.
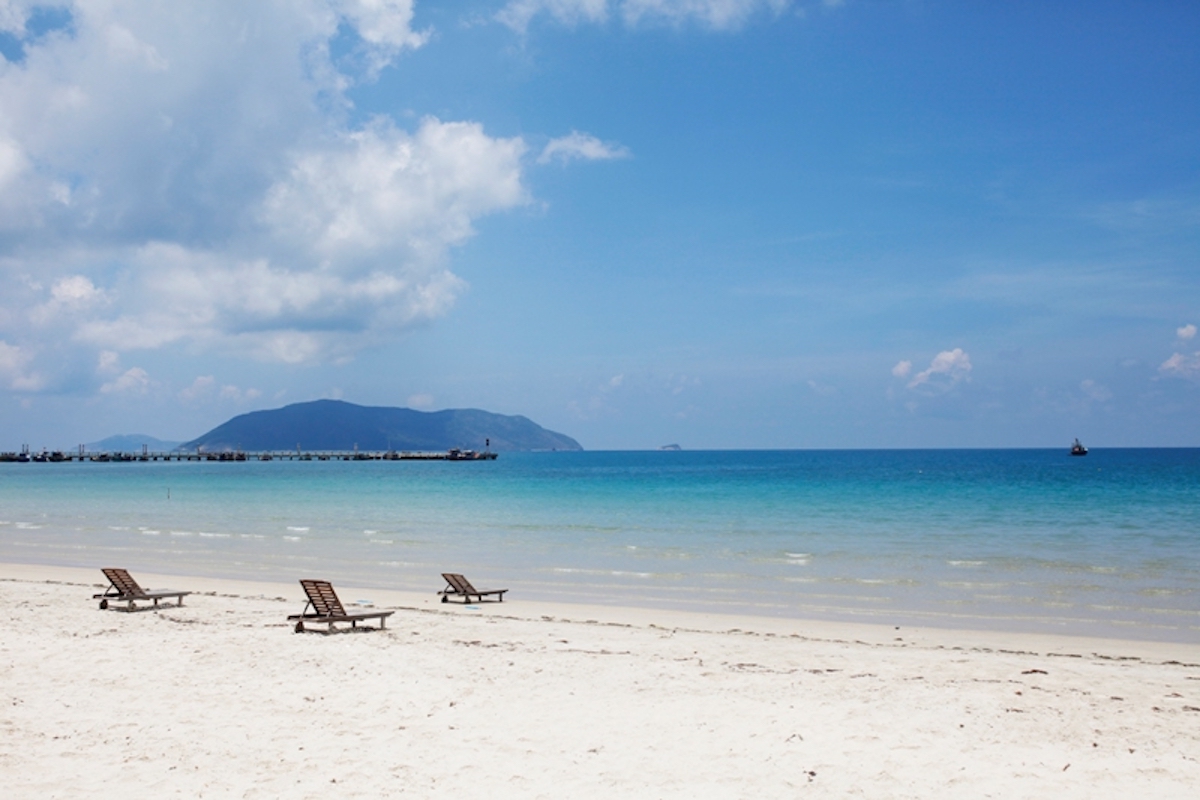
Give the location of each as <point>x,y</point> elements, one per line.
<point>1108,544</point>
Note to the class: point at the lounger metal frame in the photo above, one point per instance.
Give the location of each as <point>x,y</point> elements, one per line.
<point>327,608</point>
<point>124,589</point>
<point>458,586</point>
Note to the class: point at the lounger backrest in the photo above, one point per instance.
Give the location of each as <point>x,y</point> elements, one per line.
<point>459,583</point>
<point>124,584</point>
<point>323,598</point>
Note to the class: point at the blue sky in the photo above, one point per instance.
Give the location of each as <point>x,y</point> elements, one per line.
<point>718,223</point>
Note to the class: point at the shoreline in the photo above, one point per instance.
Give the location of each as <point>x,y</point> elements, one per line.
<point>220,698</point>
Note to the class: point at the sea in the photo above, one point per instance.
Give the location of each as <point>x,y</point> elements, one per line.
<point>1020,540</point>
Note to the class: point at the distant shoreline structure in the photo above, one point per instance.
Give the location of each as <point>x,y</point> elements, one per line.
<point>59,456</point>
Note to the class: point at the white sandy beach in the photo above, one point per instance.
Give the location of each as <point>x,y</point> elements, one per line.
<point>220,699</point>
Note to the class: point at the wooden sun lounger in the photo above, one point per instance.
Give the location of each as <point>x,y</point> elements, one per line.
<point>125,589</point>
<point>327,608</point>
<point>458,586</point>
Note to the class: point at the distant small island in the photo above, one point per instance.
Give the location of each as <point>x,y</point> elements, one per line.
<point>671,447</point>
<point>338,425</point>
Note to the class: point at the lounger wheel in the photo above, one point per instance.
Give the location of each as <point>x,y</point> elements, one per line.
<point>445,599</point>
<point>299,627</point>
<point>103,604</point>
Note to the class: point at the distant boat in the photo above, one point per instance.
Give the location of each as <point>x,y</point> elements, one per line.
<point>1078,449</point>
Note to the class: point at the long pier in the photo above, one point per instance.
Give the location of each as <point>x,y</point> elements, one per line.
<point>59,456</point>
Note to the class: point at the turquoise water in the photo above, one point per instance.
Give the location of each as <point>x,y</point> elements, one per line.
<point>1015,539</point>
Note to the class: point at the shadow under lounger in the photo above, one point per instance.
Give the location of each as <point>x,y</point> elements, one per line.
<point>124,589</point>
<point>327,608</point>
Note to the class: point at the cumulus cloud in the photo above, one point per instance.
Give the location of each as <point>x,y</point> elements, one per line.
<point>948,368</point>
<point>384,24</point>
<point>132,381</point>
<point>200,388</point>
<point>902,369</point>
<point>14,369</point>
<point>517,14</point>
<point>714,14</point>
<point>204,389</point>
<point>238,395</point>
<point>182,174</point>
<point>578,146</point>
<point>108,362</point>
<point>70,294</point>
<point>1181,365</point>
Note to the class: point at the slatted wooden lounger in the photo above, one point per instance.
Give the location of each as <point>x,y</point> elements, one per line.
<point>458,586</point>
<point>125,589</point>
<point>327,608</point>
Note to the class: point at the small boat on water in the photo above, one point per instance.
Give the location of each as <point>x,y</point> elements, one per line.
<point>1078,449</point>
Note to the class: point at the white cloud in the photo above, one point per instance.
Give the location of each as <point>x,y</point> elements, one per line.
<point>11,358</point>
<point>12,162</point>
<point>14,369</point>
<point>108,362</point>
<point>132,381</point>
<point>71,294</point>
<point>714,14</point>
<point>200,388</point>
<point>225,204</point>
<point>420,401</point>
<point>517,14</point>
<point>616,380</point>
<point>1180,365</point>
<point>384,23</point>
<point>1186,332</point>
<point>13,15</point>
<point>382,192</point>
<point>578,146</point>
<point>902,369</point>
<point>238,395</point>
<point>75,290</point>
<point>204,388</point>
<point>947,369</point>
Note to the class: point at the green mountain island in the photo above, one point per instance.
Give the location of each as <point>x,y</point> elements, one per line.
<point>337,425</point>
